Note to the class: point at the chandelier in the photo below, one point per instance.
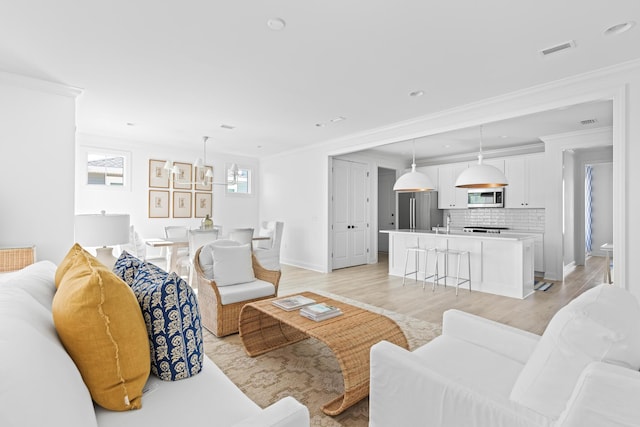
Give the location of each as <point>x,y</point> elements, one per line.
<point>200,163</point>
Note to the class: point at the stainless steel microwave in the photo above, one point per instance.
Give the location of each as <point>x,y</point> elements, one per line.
<point>485,198</point>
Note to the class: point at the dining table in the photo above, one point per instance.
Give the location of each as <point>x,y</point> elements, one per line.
<point>172,247</point>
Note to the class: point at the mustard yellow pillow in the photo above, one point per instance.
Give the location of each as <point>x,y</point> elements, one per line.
<point>100,323</point>
<point>66,262</point>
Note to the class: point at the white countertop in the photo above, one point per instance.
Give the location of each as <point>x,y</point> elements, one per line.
<point>465,234</point>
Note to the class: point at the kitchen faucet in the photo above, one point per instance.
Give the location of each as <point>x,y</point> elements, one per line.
<point>448,222</point>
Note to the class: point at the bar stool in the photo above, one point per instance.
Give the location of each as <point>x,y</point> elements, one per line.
<point>417,251</point>
<point>458,254</point>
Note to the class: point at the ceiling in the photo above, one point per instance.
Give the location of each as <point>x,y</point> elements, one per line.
<point>169,72</point>
<point>516,133</point>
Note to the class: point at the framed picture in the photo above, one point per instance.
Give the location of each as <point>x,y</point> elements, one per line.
<point>181,204</point>
<point>182,179</point>
<point>158,175</point>
<point>204,204</point>
<point>200,178</point>
<point>158,204</point>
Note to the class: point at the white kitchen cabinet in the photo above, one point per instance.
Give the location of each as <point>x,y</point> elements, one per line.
<point>450,197</point>
<point>500,264</point>
<point>538,249</point>
<point>526,181</point>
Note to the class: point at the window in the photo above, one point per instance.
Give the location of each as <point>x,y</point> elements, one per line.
<point>105,169</point>
<point>238,180</point>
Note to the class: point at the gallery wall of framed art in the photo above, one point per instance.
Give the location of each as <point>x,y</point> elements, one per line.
<point>185,195</point>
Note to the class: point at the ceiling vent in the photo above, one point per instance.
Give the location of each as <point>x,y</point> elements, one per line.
<point>228,127</point>
<point>558,48</point>
<point>588,122</point>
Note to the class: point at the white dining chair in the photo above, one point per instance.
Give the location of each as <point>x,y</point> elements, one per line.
<point>178,233</point>
<point>197,239</point>
<point>267,252</point>
<point>241,235</point>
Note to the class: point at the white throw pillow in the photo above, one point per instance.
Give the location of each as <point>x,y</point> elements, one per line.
<point>599,325</point>
<point>232,265</point>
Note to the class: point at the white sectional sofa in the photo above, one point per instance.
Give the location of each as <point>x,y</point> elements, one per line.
<point>582,372</point>
<point>41,386</point>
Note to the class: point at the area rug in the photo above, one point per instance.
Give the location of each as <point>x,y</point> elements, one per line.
<point>542,286</point>
<point>306,370</point>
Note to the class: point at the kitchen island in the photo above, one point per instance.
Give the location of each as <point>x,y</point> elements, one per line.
<point>500,264</point>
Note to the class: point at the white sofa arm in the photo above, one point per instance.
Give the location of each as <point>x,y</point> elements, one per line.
<point>605,395</point>
<point>404,391</point>
<point>287,412</point>
<point>506,340</point>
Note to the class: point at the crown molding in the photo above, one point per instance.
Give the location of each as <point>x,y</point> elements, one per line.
<point>372,138</point>
<point>27,82</point>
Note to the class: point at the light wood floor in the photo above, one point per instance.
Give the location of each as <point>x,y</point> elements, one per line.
<point>371,284</point>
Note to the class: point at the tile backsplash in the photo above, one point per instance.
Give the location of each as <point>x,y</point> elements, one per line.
<point>516,219</point>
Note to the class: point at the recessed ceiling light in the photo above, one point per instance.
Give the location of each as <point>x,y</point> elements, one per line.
<point>338,119</point>
<point>416,93</point>
<point>276,24</point>
<point>130,124</point>
<point>319,125</point>
<point>619,28</point>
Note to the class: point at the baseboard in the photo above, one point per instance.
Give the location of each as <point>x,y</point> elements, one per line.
<point>306,266</point>
<point>568,269</point>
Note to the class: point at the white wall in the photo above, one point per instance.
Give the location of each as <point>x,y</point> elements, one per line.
<point>622,84</point>
<point>294,189</point>
<point>37,128</point>
<point>230,211</point>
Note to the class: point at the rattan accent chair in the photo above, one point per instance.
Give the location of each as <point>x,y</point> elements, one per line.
<point>221,319</point>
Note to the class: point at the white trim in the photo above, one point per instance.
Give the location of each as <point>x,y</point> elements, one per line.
<point>620,220</point>
<point>39,85</point>
<point>375,137</point>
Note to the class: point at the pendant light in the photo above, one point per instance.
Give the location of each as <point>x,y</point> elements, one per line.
<point>413,181</point>
<point>201,162</point>
<point>481,175</point>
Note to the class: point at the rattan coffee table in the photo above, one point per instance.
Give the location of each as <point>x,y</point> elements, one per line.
<point>265,327</point>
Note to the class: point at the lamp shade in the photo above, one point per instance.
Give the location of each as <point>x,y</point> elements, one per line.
<point>101,229</point>
<point>413,182</point>
<point>481,176</point>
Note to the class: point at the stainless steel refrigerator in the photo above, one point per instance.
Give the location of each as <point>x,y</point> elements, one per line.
<point>418,211</point>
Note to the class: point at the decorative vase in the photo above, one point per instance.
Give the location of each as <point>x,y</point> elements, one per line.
<point>207,223</point>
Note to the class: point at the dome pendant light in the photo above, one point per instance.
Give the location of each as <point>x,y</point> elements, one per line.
<point>413,181</point>
<point>481,175</point>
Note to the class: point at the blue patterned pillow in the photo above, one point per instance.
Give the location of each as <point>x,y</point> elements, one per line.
<point>126,267</point>
<point>170,310</point>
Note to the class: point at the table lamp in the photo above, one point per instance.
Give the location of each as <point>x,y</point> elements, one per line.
<point>100,231</point>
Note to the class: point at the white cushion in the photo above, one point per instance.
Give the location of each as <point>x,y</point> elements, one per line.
<point>36,280</point>
<point>232,265</point>
<point>599,325</point>
<point>246,291</point>
<point>206,399</point>
<point>40,385</point>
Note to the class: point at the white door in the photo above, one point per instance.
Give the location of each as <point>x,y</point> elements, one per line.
<point>350,213</point>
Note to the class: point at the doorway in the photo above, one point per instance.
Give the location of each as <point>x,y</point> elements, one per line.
<point>588,204</point>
